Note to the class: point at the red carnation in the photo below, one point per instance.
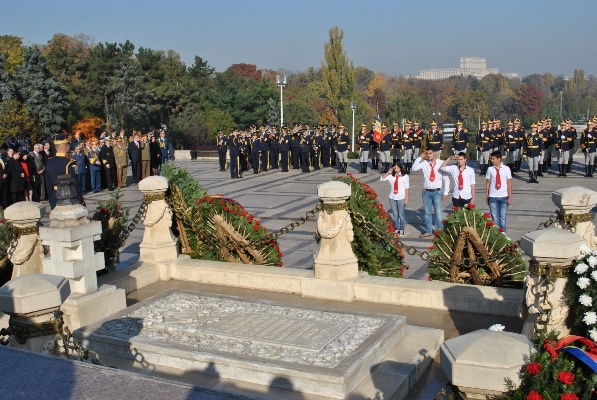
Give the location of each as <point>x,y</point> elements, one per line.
<point>1,221</point>
<point>234,212</point>
<point>437,232</point>
<point>455,208</point>
<point>487,216</point>
<point>281,263</point>
<point>250,218</point>
<point>534,396</point>
<point>257,222</point>
<point>104,210</point>
<point>534,368</point>
<point>429,278</point>
<point>569,396</point>
<point>566,377</point>
<point>243,214</point>
<point>471,206</point>
<point>549,348</point>
<point>226,209</point>
<point>278,248</point>
<point>279,255</point>
<point>489,224</point>
<point>431,247</point>
<point>211,200</point>
<point>338,177</point>
<point>500,230</point>
<point>222,202</point>
<point>255,228</point>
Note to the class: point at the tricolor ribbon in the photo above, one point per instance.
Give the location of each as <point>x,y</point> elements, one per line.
<point>587,357</point>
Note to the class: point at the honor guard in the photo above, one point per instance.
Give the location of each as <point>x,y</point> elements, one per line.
<point>255,155</point>
<point>572,133</point>
<point>492,136</point>
<point>236,147</point>
<point>265,148</point>
<point>435,138</point>
<point>274,147</point>
<point>542,132</point>
<point>499,133</point>
<point>460,140</point>
<point>520,136</point>
<point>295,146</point>
<point>306,144</point>
<point>419,140</point>
<point>363,142</point>
<point>534,148</point>
<point>334,154</point>
<point>61,164</point>
<point>396,143</point>
<point>326,147</point>
<point>485,147</point>
<point>317,144</point>
<point>511,146</point>
<point>385,146</point>
<point>222,149</point>
<point>343,148</point>
<point>163,142</point>
<point>285,139</point>
<point>550,141</point>
<point>408,145</point>
<point>588,145</point>
<point>374,151</point>
<point>562,145</point>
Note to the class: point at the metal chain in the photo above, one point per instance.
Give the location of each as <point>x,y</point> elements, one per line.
<point>291,226</point>
<point>71,343</point>
<point>545,287</point>
<point>5,332</point>
<point>376,231</point>
<point>549,222</point>
<point>140,216</point>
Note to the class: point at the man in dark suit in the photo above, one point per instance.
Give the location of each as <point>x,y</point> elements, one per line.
<point>40,169</point>
<point>109,164</point>
<point>4,187</point>
<point>134,150</point>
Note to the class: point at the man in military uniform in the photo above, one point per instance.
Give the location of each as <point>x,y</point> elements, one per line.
<point>274,148</point>
<point>511,146</point>
<point>500,134</point>
<point>396,143</point>
<point>435,138</point>
<point>485,148</point>
<point>284,149</point>
<point>534,148</point>
<point>460,140</point>
<point>385,147</point>
<point>306,144</point>
<point>543,134</point>
<point>588,145</point>
<point>163,142</point>
<point>571,132</point>
<point>122,162</point>
<point>520,136</point>
<point>61,164</point>
<point>408,144</point>
<point>109,164</point>
<point>256,143</point>
<point>222,149</point>
<point>235,145</point>
<point>418,139</point>
<point>363,143</point>
<point>295,146</point>
<point>374,150</point>
<point>334,140</point>
<point>343,147</point>
<point>317,144</point>
<point>145,156</point>
<point>326,147</point>
<point>265,148</point>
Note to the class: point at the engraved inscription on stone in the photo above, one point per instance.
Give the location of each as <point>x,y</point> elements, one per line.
<point>278,329</point>
<point>258,329</point>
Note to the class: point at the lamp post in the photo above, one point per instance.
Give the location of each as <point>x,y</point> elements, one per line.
<point>281,81</point>
<point>353,106</point>
<point>561,108</point>
<point>436,116</point>
<point>479,113</point>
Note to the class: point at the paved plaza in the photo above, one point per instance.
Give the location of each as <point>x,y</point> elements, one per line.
<point>278,198</point>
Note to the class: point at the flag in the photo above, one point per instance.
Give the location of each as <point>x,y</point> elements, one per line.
<point>377,129</point>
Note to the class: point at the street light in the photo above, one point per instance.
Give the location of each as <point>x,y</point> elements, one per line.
<point>281,81</point>
<point>353,106</point>
<point>479,113</point>
<point>436,116</point>
<point>561,111</point>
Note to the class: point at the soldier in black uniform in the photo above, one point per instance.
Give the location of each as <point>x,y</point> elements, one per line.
<point>434,138</point>
<point>274,148</point>
<point>363,141</point>
<point>396,143</point>
<point>326,147</point>
<point>265,147</point>
<point>235,145</point>
<point>317,145</point>
<point>255,152</point>
<point>61,164</point>
<point>222,149</point>
<point>534,149</point>
<point>284,149</point>
<point>588,142</point>
<point>460,139</point>
<point>306,144</point>
<point>109,164</point>
<point>334,140</point>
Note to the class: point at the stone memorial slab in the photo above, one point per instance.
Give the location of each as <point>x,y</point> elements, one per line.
<point>320,351</point>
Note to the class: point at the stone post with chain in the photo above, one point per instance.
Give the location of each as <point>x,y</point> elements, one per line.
<point>26,254</point>
<point>552,252</point>
<point>159,243</point>
<point>575,205</point>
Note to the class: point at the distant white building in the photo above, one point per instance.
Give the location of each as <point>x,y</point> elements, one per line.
<point>473,66</point>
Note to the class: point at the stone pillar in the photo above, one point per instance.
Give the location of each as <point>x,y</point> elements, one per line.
<point>70,237</point>
<point>479,362</point>
<point>159,244</point>
<point>552,252</point>
<point>32,301</point>
<point>335,259</point>
<point>575,204</point>
<point>28,254</point>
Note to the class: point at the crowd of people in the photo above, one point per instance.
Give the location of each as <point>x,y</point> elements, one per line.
<point>97,163</point>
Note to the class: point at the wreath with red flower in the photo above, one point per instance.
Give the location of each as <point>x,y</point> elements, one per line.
<point>378,252</point>
<point>215,227</point>
<point>463,251</point>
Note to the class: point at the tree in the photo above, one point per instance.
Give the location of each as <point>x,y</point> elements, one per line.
<point>12,47</point>
<point>15,120</point>
<point>532,101</point>
<point>131,98</point>
<point>189,128</point>
<point>7,87</point>
<point>40,91</point>
<point>246,70</point>
<point>274,114</point>
<point>298,110</point>
<point>363,77</point>
<point>337,75</point>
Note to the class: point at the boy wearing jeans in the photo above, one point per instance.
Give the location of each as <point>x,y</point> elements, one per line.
<point>498,189</point>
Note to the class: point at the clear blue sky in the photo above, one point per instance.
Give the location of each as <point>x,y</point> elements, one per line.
<point>395,37</point>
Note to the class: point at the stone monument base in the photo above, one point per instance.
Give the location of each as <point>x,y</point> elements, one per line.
<point>84,309</point>
<point>311,350</point>
<point>336,270</point>
<point>159,252</point>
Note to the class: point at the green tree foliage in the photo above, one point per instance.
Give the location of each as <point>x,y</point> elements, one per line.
<point>189,128</point>
<point>7,88</point>
<point>16,120</point>
<point>300,110</point>
<point>337,75</point>
<point>12,48</point>
<point>40,91</point>
<point>131,99</point>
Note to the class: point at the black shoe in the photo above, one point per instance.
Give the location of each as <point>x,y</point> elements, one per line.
<point>535,177</point>
<point>530,177</point>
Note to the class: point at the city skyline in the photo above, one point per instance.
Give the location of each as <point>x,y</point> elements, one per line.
<point>403,38</point>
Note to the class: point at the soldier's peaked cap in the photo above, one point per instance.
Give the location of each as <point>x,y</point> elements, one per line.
<point>60,138</point>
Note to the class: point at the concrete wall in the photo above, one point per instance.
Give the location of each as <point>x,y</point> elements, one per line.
<point>405,292</point>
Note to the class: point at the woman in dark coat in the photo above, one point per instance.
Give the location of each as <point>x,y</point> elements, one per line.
<point>155,155</point>
<point>16,176</point>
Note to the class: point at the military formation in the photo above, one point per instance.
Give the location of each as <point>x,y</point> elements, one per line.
<point>307,148</point>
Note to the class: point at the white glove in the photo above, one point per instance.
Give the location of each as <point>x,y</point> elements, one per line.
<point>511,137</point>
<point>563,137</point>
<point>482,135</point>
<point>590,136</point>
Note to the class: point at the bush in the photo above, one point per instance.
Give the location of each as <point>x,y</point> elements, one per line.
<point>114,219</point>
<point>353,155</point>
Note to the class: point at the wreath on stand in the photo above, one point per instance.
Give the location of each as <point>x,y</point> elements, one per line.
<point>215,227</point>
<point>472,249</point>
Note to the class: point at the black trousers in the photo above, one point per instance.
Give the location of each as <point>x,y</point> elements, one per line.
<point>284,160</point>
<point>264,160</point>
<point>316,158</point>
<point>295,154</point>
<point>110,177</point>
<point>325,157</point>
<point>255,162</point>
<point>234,166</point>
<point>460,202</point>
<point>136,167</point>
<point>305,161</point>
<point>274,155</point>
<point>222,158</point>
